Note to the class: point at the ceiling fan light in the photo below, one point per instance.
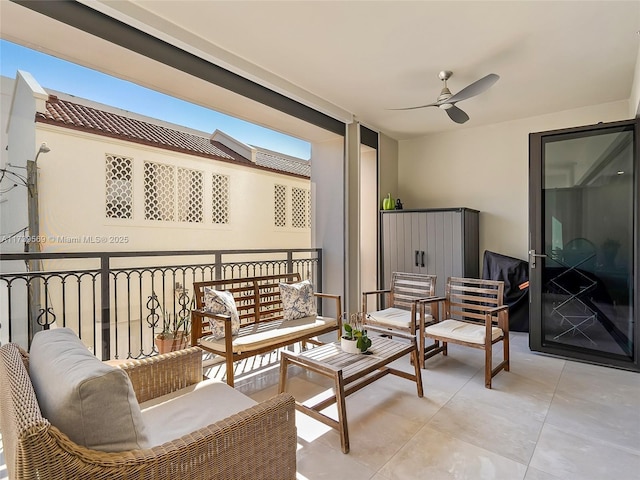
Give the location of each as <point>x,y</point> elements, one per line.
<point>445,106</point>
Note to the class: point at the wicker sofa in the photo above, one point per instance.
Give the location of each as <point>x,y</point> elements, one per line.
<point>257,441</point>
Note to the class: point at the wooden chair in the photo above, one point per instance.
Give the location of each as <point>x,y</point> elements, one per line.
<point>402,310</point>
<point>473,315</point>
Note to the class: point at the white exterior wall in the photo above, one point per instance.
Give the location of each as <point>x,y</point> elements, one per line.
<point>486,168</point>
<point>328,215</point>
<point>72,200</point>
<point>21,145</point>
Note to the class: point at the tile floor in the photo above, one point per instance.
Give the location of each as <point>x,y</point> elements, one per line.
<point>547,419</point>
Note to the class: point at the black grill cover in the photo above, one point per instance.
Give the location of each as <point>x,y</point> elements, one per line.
<point>515,275</point>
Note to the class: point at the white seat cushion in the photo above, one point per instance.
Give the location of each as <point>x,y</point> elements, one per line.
<point>462,331</point>
<point>394,318</point>
<point>256,336</point>
<point>171,416</point>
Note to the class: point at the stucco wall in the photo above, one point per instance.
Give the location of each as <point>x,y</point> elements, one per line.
<point>72,200</point>
<point>328,219</point>
<point>486,168</point>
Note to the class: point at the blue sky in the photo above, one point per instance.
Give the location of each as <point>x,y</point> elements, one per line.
<point>56,74</point>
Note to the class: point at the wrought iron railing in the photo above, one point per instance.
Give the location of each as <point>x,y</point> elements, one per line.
<point>117,302</point>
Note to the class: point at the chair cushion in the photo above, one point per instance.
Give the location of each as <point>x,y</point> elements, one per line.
<point>394,318</point>
<point>184,411</point>
<point>91,402</point>
<point>462,331</point>
<point>298,300</point>
<point>222,303</point>
<point>257,336</point>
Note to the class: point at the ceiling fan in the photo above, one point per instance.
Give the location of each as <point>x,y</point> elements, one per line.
<point>447,101</point>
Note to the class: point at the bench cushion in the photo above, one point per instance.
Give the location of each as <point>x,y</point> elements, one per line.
<point>91,402</point>
<point>222,303</point>
<point>462,331</point>
<point>184,411</point>
<point>298,300</point>
<point>394,318</point>
<point>259,335</point>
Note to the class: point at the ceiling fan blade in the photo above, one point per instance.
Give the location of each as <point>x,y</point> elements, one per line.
<point>419,106</point>
<point>456,114</point>
<point>475,88</point>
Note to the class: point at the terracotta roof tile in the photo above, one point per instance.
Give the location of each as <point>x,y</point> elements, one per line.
<point>75,115</point>
<point>286,164</point>
<point>83,117</point>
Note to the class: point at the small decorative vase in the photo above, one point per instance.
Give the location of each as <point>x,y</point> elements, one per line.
<point>388,203</point>
<point>349,346</point>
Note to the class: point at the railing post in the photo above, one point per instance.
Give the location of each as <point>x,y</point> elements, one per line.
<point>105,307</point>
<point>319,277</point>
<point>289,261</point>
<point>319,269</point>
<point>217,266</point>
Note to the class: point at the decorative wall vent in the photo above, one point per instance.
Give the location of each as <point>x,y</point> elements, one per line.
<point>220,199</point>
<point>280,205</point>
<point>159,192</point>
<point>190,193</point>
<point>118,186</point>
<point>300,208</point>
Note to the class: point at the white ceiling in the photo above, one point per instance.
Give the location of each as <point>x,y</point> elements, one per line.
<point>361,58</point>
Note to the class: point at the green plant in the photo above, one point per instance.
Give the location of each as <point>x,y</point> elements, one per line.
<point>355,331</point>
<point>173,325</point>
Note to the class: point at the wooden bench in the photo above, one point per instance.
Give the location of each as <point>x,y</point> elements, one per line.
<point>260,309</point>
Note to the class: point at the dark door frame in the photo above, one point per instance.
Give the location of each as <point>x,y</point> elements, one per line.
<point>537,250</point>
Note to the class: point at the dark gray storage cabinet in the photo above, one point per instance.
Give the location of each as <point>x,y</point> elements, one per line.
<point>442,242</point>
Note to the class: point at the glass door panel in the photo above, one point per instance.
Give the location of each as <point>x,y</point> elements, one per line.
<point>583,279</point>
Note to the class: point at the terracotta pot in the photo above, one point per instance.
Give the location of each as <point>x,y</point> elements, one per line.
<point>171,343</point>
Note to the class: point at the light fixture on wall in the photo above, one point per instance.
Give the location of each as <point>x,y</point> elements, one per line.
<point>32,200</point>
<point>44,148</point>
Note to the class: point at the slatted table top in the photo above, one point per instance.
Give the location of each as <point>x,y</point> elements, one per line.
<point>330,357</point>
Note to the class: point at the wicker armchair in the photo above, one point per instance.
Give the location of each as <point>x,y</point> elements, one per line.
<point>256,443</point>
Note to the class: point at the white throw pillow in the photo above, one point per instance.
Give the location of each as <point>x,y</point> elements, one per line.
<point>91,402</point>
<point>221,303</point>
<point>297,300</point>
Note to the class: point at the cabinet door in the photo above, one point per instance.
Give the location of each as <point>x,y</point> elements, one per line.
<point>420,242</point>
<point>401,237</point>
<point>443,246</point>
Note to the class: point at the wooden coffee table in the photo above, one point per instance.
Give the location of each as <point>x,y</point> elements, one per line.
<point>351,372</point>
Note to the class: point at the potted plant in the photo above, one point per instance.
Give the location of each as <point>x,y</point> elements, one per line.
<point>175,328</point>
<point>355,339</point>
<point>174,334</point>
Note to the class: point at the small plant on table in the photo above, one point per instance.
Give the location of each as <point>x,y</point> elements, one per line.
<point>355,332</point>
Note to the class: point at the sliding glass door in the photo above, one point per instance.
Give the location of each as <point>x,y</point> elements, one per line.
<point>584,243</point>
